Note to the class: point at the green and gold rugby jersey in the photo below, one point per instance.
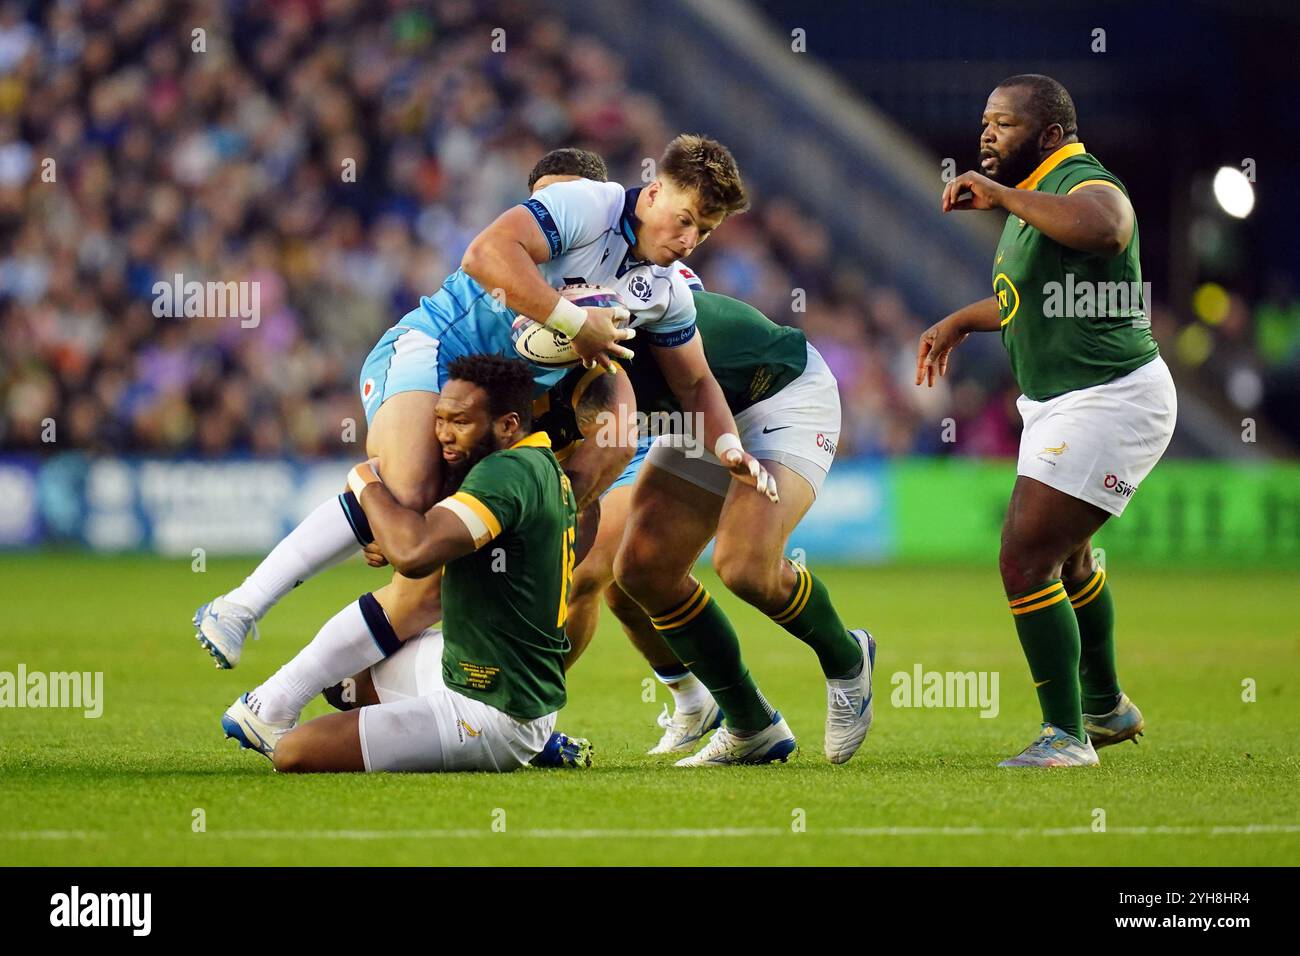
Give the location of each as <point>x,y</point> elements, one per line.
<point>504,605</point>
<point>1070,319</point>
<point>751,357</point>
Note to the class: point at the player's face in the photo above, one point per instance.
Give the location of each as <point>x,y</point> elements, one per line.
<point>672,224</point>
<point>1010,145</point>
<point>463,425</point>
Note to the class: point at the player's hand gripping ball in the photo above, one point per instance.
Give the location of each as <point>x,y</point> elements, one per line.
<point>543,346</point>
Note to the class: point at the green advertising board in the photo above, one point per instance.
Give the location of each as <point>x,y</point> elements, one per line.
<point>1186,512</point>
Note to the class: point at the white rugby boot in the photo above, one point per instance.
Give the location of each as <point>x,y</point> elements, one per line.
<point>241,722</point>
<point>1054,748</point>
<point>682,731</point>
<point>772,743</point>
<point>849,707</point>
<point>223,626</point>
<point>1123,723</point>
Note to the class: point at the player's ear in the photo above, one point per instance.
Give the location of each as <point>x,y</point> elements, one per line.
<point>505,426</point>
<point>1052,137</point>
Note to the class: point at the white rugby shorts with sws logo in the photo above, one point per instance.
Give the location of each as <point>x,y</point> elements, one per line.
<point>1099,443</point>
<point>797,427</point>
<point>422,725</point>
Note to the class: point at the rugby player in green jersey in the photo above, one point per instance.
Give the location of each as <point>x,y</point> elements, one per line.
<point>492,704</point>
<point>411,611</point>
<point>596,232</point>
<point>1098,404</point>
<point>786,404</point>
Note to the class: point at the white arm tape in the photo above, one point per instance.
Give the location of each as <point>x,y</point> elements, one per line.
<point>566,318</point>
<point>357,480</point>
<point>477,528</point>
<point>726,441</point>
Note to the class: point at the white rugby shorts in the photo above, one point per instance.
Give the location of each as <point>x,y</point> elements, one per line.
<point>798,427</point>
<point>422,725</point>
<point>1099,443</point>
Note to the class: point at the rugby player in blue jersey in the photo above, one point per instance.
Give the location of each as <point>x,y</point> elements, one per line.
<point>576,231</point>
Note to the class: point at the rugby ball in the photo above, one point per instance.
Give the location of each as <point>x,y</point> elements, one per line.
<point>541,346</point>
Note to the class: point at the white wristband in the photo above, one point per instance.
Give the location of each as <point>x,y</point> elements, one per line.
<point>357,479</point>
<point>725,443</point>
<point>566,318</point>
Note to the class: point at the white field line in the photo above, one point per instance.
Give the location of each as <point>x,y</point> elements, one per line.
<point>705,833</point>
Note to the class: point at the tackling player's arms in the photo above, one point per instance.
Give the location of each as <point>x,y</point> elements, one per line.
<point>415,544</point>
<point>478,412</point>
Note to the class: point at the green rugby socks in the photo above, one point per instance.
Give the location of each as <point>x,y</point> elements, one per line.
<point>699,633</point>
<point>1094,609</point>
<point>810,616</point>
<point>1049,634</point>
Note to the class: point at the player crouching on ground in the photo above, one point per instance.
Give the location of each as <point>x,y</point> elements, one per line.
<point>504,606</point>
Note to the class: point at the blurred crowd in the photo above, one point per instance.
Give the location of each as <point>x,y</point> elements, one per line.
<point>341,154</point>
<point>1246,352</point>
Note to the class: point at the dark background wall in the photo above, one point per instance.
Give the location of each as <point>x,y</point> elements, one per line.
<point>1181,89</point>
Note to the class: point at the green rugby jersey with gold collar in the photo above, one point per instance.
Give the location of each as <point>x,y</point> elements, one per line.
<point>504,605</point>
<point>1070,319</point>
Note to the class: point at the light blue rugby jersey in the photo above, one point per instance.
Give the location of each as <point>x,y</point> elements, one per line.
<point>590,228</point>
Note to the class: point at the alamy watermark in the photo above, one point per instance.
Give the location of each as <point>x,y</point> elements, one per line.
<point>208,300</point>
<point>1084,299</point>
<point>922,688</point>
<point>82,690</point>
<point>130,910</point>
<point>686,428</point>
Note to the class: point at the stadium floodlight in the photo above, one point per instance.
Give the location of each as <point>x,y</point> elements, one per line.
<point>1235,194</point>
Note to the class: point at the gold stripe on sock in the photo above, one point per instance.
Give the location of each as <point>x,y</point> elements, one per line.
<point>674,611</point>
<point>1085,587</point>
<point>683,621</point>
<point>1089,593</point>
<point>1054,586</point>
<point>803,601</point>
<point>798,588</point>
<point>667,617</point>
<point>802,591</point>
<point>1048,602</point>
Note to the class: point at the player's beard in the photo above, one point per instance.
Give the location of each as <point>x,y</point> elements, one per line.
<point>1017,165</point>
<point>453,473</point>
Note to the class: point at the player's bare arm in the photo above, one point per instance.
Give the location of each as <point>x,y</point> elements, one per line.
<point>415,544</point>
<point>505,256</point>
<point>1096,218</point>
<point>605,413</point>
<point>686,371</point>
<point>937,342</point>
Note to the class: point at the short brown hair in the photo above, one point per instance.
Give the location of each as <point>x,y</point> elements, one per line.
<point>707,168</point>
<point>569,161</point>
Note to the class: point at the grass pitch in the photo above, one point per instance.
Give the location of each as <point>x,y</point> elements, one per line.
<point>1213,782</point>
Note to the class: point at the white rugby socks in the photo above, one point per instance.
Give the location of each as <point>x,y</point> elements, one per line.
<point>345,646</point>
<point>689,695</point>
<point>324,538</point>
